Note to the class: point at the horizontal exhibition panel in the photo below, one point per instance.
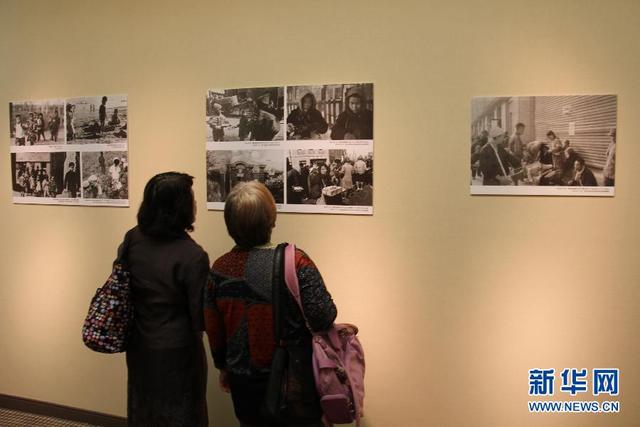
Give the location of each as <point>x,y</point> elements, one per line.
<point>55,148</point>
<point>59,201</point>
<point>521,190</point>
<point>302,208</point>
<point>288,145</point>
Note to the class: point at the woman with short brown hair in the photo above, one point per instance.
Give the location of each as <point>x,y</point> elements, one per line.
<point>239,315</point>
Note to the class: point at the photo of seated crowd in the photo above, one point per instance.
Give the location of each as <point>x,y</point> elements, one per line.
<point>341,177</point>
<point>48,175</point>
<point>226,168</point>
<point>105,175</point>
<point>97,120</point>
<point>37,123</point>
<point>255,114</point>
<point>544,141</point>
<point>339,112</point>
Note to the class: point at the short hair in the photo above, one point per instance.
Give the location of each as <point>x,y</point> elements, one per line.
<point>71,164</point>
<point>104,99</point>
<point>520,125</point>
<point>167,209</point>
<point>250,214</point>
<point>551,133</point>
<point>580,160</point>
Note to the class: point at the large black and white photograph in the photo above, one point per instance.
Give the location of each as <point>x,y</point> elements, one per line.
<point>330,112</point>
<point>543,145</point>
<point>39,177</point>
<point>105,175</point>
<point>227,168</point>
<point>37,122</point>
<point>253,114</point>
<point>97,120</point>
<point>337,177</point>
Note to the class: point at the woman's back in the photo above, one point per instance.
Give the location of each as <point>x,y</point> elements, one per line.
<point>239,322</point>
<point>167,276</point>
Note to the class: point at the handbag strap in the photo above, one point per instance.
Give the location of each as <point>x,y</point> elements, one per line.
<point>123,250</point>
<point>277,301</point>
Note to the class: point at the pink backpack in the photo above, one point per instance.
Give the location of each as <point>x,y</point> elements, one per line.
<point>338,360</point>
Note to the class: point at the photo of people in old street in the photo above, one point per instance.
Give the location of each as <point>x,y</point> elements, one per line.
<point>543,141</point>
<point>337,112</point>
<point>342,177</point>
<point>226,168</point>
<point>254,114</point>
<point>36,123</point>
<point>46,175</point>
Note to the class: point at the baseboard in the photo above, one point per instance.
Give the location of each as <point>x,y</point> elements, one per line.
<point>60,411</point>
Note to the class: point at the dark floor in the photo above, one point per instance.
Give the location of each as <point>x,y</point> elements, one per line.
<point>10,418</point>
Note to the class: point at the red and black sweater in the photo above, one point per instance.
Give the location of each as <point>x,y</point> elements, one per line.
<point>238,314</point>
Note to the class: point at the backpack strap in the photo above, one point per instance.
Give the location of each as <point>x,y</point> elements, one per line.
<point>291,279</point>
<point>276,293</point>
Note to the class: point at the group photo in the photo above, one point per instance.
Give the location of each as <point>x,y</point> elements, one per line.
<point>105,175</point>
<point>342,177</point>
<point>337,112</point>
<point>254,114</point>
<point>37,122</point>
<point>97,120</point>
<point>560,141</point>
<point>46,175</point>
<point>227,168</point>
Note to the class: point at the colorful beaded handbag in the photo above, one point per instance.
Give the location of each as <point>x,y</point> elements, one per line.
<point>108,323</point>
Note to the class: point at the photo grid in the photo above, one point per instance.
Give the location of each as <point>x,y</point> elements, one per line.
<point>311,145</point>
<point>70,151</point>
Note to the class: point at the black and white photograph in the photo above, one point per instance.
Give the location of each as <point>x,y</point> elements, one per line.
<point>38,176</point>
<point>544,145</point>
<point>226,168</point>
<point>254,114</point>
<point>338,177</point>
<point>330,112</point>
<point>97,120</point>
<point>105,175</point>
<point>37,122</point>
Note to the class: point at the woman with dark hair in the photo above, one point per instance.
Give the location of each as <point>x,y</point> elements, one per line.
<point>166,361</point>
<point>239,316</point>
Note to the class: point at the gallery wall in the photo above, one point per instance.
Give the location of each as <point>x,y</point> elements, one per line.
<point>456,297</point>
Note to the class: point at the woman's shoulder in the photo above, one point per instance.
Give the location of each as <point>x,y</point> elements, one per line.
<point>183,244</point>
<point>231,263</point>
<point>303,260</point>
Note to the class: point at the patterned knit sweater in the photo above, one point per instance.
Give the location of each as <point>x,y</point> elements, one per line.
<point>238,310</point>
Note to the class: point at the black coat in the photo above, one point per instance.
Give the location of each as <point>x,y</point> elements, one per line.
<point>359,125</point>
<point>490,166</point>
<point>307,123</point>
<point>166,361</point>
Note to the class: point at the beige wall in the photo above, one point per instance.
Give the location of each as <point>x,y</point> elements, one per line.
<point>456,296</point>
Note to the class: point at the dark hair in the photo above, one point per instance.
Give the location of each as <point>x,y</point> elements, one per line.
<point>580,160</point>
<point>551,133</point>
<point>167,209</point>
<point>520,125</point>
<point>104,99</point>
